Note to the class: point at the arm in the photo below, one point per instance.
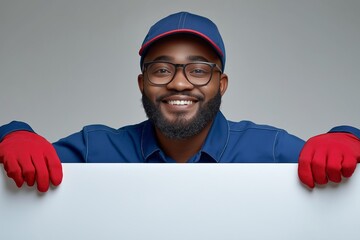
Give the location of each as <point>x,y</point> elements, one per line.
<point>70,149</point>
<point>287,148</point>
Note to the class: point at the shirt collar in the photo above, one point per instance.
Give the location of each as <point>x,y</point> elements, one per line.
<point>214,145</point>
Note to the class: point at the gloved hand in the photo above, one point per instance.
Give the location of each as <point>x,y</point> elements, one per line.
<point>29,157</point>
<point>328,157</point>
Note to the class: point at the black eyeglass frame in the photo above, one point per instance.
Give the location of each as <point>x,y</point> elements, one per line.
<point>183,66</point>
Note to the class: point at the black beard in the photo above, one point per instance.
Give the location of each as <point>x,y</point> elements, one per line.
<point>182,128</point>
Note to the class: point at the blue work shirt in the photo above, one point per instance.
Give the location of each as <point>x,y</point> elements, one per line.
<point>227,142</point>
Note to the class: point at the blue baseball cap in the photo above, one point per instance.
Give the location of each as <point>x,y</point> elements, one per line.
<point>185,22</point>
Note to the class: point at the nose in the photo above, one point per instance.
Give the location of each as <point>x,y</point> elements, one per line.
<point>180,83</point>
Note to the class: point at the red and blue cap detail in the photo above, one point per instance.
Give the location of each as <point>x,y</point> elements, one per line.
<point>185,22</point>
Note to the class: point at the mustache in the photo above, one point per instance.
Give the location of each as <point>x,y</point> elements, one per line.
<point>184,93</point>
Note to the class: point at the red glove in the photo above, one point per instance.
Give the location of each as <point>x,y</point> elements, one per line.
<point>29,157</point>
<point>328,157</point>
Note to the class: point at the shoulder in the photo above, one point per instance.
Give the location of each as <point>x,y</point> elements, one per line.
<point>246,125</point>
<point>100,128</point>
<point>252,142</point>
<point>105,128</point>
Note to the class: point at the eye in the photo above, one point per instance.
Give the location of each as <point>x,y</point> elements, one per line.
<point>198,70</point>
<point>160,70</point>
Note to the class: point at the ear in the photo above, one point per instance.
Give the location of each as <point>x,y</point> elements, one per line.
<point>223,83</point>
<point>141,82</point>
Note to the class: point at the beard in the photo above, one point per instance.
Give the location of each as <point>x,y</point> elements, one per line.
<point>182,128</point>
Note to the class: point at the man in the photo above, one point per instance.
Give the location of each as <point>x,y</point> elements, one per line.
<point>182,82</point>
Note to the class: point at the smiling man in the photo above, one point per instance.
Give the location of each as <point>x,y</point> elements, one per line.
<point>182,81</point>
<point>181,87</point>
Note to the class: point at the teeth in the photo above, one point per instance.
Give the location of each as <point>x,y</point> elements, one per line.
<point>180,102</point>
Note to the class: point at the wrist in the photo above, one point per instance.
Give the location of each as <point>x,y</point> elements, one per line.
<point>13,127</point>
<point>346,129</point>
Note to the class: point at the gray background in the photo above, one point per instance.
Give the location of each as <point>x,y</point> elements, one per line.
<point>66,64</point>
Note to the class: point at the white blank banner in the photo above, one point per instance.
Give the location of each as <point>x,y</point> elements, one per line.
<point>181,202</point>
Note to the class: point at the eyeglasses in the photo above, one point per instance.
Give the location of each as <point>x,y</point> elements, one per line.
<point>197,73</point>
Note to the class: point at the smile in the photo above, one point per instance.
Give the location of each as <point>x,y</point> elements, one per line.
<point>180,102</point>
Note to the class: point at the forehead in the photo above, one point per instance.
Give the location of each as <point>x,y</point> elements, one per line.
<point>181,47</point>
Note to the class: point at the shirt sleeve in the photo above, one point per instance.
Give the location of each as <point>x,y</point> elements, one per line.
<point>13,127</point>
<point>72,149</point>
<point>287,147</point>
<point>346,129</point>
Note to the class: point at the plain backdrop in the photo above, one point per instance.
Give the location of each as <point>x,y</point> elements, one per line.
<point>292,64</point>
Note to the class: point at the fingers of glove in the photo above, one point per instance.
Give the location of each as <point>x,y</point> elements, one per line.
<point>28,169</point>
<point>304,167</point>
<point>348,165</point>
<point>13,170</point>
<point>318,166</point>
<point>334,165</point>
<point>54,166</point>
<point>42,173</point>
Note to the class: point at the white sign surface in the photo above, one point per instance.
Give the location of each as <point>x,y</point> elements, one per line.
<point>180,201</point>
